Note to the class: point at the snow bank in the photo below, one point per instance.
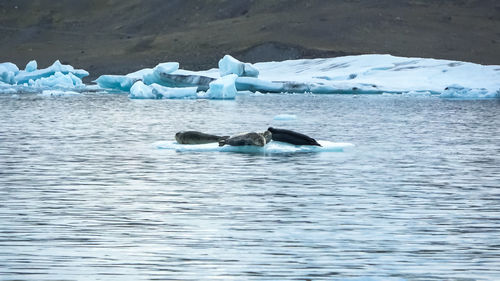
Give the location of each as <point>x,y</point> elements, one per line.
<point>273,147</point>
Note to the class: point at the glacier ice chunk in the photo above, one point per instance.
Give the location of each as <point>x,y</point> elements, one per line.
<point>58,80</point>
<point>162,92</point>
<point>141,91</point>
<point>229,65</point>
<point>158,71</point>
<point>8,71</point>
<point>116,82</point>
<point>456,91</point>
<point>24,76</point>
<point>31,66</point>
<point>223,88</point>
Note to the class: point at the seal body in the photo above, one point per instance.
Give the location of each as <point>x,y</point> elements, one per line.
<point>292,137</point>
<point>195,137</point>
<point>243,139</point>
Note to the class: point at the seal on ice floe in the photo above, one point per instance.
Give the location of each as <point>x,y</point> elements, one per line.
<point>195,137</point>
<point>292,137</point>
<point>252,138</point>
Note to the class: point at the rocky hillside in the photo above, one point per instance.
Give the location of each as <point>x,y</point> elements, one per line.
<point>119,36</point>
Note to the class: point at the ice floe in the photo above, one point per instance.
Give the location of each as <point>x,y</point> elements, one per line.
<point>273,147</point>
<point>285,117</point>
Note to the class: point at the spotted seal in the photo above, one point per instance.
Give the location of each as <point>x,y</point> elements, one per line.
<point>195,137</point>
<point>252,138</point>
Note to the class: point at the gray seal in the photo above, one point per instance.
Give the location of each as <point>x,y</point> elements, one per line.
<point>252,138</point>
<point>195,137</point>
<point>292,137</point>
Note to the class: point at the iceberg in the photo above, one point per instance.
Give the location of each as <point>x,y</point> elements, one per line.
<point>58,80</point>
<point>31,66</point>
<point>229,65</point>
<point>223,88</point>
<point>116,82</point>
<point>360,74</point>
<point>274,147</point>
<point>184,80</point>
<point>26,76</point>
<point>459,92</point>
<point>158,71</point>
<point>8,71</point>
<point>141,91</point>
<point>162,92</point>
<point>377,74</point>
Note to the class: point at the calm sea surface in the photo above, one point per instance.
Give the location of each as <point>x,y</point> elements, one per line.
<point>85,194</point>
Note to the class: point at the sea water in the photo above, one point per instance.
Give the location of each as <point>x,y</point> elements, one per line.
<point>86,194</point>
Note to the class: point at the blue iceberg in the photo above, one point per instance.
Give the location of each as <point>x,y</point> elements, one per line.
<point>223,88</point>
<point>229,65</point>
<point>116,82</point>
<point>8,71</point>
<point>31,66</point>
<point>26,76</point>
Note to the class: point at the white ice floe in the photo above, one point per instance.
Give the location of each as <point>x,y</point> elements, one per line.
<point>273,147</point>
<point>285,117</point>
<point>229,65</point>
<point>223,88</point>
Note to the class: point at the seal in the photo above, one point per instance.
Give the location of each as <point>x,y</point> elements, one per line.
<point>195,137</point>
<point>243,139</point>
<point>268,136</point>
<point>292,137</point>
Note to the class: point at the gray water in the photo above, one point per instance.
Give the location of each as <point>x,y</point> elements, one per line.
<point>85,194</point>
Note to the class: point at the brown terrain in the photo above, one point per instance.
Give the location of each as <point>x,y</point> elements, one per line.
<point>120,36</point>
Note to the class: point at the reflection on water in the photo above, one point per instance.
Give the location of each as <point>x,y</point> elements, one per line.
<point>85,194</point>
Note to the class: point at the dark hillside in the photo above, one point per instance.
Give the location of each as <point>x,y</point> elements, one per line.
<point>119,36</point>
